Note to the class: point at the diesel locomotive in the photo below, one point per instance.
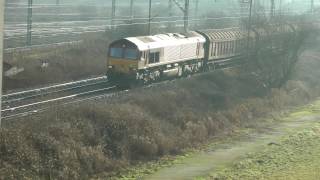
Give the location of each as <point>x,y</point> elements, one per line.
<point>147,59</point>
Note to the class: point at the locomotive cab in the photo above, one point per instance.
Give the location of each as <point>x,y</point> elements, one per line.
<point>123,60</point>
<point>147,59</point>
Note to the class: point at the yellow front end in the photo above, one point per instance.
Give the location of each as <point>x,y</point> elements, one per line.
<point>122,69</point>
<point>123,61</point>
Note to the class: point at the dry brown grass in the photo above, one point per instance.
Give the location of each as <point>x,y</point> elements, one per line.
<point>99,139</point>
<point>65,63</point>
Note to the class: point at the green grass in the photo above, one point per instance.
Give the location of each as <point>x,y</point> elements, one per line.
<point>295,156</point>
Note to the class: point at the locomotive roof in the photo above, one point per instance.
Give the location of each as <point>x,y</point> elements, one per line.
<point>162,40</point>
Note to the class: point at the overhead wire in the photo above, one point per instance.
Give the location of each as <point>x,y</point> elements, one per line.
<point>102,28</point>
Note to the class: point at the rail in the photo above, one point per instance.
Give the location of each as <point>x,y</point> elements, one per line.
<point>46,89</point>
<point>31,100</point>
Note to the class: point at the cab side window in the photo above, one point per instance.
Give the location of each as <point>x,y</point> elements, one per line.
<point>154,57</point>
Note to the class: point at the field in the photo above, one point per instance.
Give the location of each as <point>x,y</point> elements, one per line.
<point>64,64</point>
<point>54,21</point>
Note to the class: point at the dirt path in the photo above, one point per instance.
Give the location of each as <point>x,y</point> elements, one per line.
<point>206,161</point>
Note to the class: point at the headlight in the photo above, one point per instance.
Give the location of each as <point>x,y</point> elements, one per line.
<point>110,67</point>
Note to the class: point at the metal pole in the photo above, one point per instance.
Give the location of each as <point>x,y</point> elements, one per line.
<point>280,8</point>
<point>249,28</point>
<point>196,11</point>
<point>186,16</point>
<point>1,49</point>
<point>58,8</point>
<point>272,8</point>
<point>250,17</point>
<point>113,13</point>
<point>29,23</point>
<point>149,19</point>
<point>170,14</point>
<point>280,14</point>
<point>312,6</point>
<point>131,9</point>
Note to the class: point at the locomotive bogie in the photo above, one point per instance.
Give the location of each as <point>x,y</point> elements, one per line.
<point>153,74</point>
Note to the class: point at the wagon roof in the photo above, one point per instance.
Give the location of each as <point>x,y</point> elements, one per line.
<point>165,40</point>
<point>273,29</point>
<point>226,34</point>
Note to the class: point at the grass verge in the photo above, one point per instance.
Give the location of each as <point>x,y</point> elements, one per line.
<point>295,156</point>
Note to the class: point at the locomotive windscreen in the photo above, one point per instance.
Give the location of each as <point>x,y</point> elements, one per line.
<point>116,52</point>
<point>131,54</point>
<point>126,53</point>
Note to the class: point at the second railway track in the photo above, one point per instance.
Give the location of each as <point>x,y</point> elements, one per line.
<point>19,103</point>
<point>43,91</point>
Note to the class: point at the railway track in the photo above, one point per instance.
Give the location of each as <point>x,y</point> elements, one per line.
<point>33,101</point>
<point>24,103</point>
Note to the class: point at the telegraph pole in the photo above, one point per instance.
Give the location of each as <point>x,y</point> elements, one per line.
<point>29,23</point>
<point>186,15</point>
<point>149,19</point>
<point>113,13</point>
<point>1,49</point>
